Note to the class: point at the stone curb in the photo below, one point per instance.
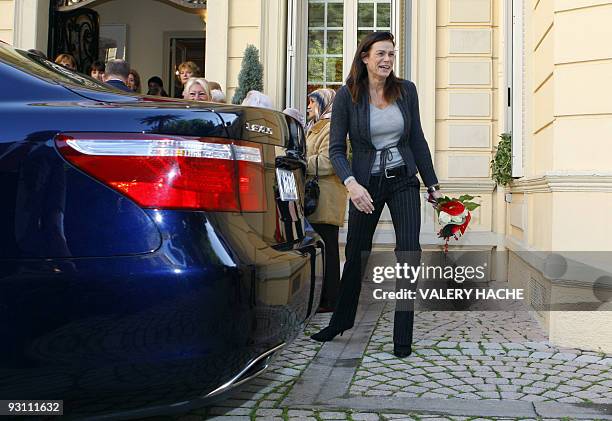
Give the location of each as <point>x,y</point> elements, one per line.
<point>466,407</point>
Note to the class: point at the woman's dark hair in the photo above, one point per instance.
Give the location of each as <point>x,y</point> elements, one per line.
<point>156,79</point>
<point>98,65</point>
<point>134,73</point>
<point>357,82</point>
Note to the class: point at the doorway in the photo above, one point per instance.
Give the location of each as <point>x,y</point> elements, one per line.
<point>183,47</point>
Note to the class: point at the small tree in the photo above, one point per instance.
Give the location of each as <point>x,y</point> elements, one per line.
<point>250,77</point>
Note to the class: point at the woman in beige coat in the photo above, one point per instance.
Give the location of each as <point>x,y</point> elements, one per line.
<point>329,215</point>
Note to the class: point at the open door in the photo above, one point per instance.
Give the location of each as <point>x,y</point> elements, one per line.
<point>75,32</point>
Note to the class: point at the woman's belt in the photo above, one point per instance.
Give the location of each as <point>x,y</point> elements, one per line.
<point>400,171</point>
<point>385,156</point>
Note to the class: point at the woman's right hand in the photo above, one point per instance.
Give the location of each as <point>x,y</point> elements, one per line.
<point>360,197</point>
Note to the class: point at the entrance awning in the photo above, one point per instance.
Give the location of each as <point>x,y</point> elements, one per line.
<point>65,5</point>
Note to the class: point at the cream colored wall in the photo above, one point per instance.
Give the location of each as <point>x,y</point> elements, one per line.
<point>567,190</point>
<point>147,21</point>
<point>6,20</point>
<point>569,112</point>
<point>583,86</point>
<point>216,42</point>
<point>576,329</point>
<point>243,28</point>
<point>469,56</point>
<point>232,25</point>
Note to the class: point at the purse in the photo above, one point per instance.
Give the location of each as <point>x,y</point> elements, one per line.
<point>312,192</point>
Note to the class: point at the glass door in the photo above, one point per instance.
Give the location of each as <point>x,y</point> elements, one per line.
<point>325,44</point>
<point>335,27</point>
<point>373,16</point>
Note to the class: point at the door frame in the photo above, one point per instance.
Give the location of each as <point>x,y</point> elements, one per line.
<point>31,24</point>
<point>297,45</point>
<point>168,36</point>
<point>517,51</point>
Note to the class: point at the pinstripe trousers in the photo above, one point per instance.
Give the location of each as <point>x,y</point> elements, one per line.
<point>401,195</point>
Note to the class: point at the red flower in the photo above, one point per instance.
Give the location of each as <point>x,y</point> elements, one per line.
<point>453,208</point>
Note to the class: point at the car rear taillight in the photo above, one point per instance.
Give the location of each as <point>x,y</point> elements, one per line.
<point>172,172</point>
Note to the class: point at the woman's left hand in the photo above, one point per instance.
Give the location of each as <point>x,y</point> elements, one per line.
<point>433,198</point>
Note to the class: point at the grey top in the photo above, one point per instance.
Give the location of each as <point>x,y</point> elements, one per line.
<point>352,118</point>
<point>386,129</point>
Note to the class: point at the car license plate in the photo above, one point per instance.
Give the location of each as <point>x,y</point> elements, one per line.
<point>286,185</point>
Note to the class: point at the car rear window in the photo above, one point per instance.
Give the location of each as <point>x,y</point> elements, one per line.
<point>46,69</point>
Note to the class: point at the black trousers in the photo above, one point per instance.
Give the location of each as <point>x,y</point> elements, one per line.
<point>331,282</point>
<point>401,195</point>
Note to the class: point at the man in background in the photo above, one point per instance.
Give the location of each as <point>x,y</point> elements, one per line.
<point>116,74</point>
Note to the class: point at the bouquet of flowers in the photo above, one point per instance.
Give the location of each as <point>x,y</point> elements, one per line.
<point>454,216</point>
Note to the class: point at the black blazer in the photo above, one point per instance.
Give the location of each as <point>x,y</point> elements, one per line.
<point>119,85</point>
<point>354,120</point>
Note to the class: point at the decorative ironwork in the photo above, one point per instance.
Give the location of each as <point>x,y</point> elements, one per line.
<point>67,5</point>
<point>76,32</point>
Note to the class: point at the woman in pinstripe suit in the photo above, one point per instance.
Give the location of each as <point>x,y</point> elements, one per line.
<point>380,114</point>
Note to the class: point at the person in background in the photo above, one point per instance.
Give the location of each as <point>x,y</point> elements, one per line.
<point>257,99</point>
<point>116,74</point>
<point>186,70</point>
<point>156,87</point>
<point>217,96</point>
<point>214,85</point>
<point>329,215</point>
<point>97,70</point>
<point>67,61</point>
<point>196,89</point>
<point>133,81</point>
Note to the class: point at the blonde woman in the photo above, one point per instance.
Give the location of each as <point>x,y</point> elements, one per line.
<point>186,70</point>
<point>196,89</point>
<point>329,215</point>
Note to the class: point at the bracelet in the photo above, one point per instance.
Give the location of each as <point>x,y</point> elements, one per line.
<point>432,189</point>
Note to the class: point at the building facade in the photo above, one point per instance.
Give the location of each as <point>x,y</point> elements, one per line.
<point>540,69</point>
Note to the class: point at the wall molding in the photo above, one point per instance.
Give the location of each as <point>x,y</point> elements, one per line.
<point>471,186</point>
<point>558,181</point>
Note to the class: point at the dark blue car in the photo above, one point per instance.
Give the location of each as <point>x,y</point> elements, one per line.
<point>153,253</point>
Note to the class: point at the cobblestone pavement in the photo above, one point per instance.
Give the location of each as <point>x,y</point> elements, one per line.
<point>481,355</point>
<point>488,365</point>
